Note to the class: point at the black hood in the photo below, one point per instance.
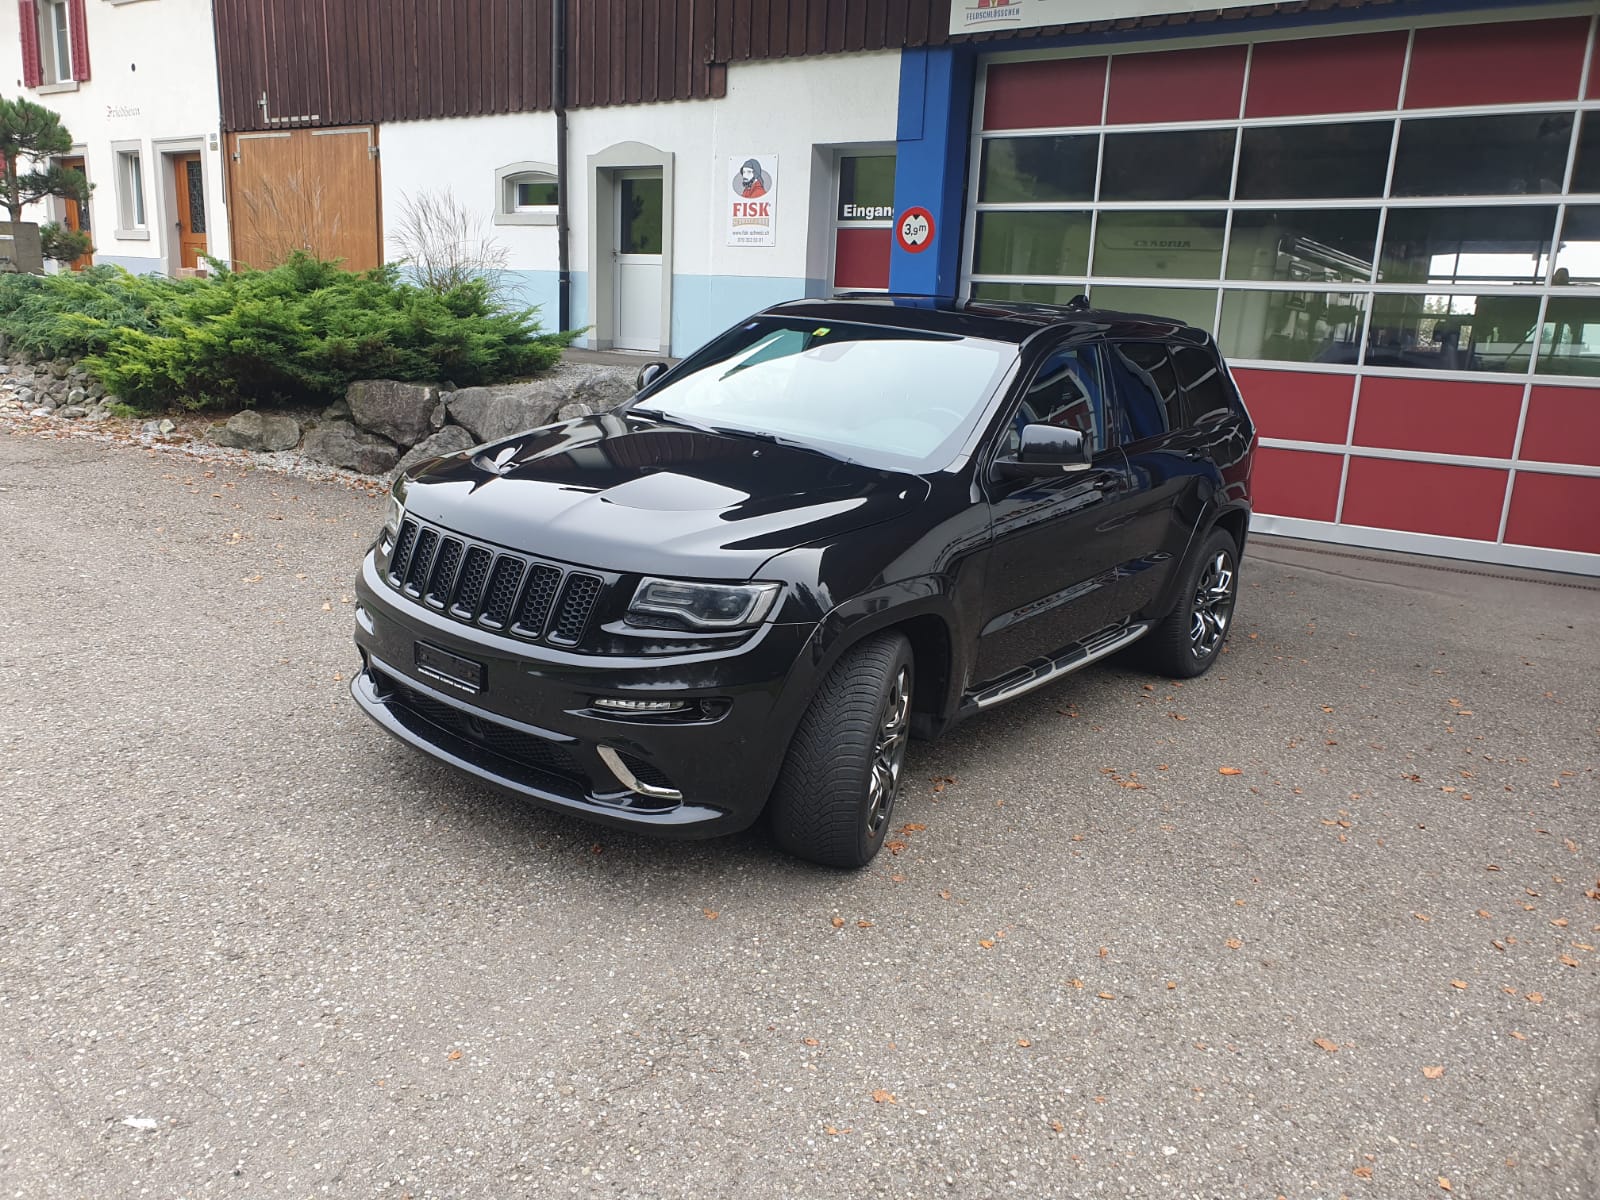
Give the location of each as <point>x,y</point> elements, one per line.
<point>633,495</point>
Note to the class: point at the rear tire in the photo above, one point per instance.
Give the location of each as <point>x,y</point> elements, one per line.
<point>1190,638</point>
<point>834,798</point>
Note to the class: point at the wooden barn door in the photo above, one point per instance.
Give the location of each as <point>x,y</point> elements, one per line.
<point>306,189</point>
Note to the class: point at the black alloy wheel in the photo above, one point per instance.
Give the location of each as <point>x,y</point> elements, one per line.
<point>1190,638</point>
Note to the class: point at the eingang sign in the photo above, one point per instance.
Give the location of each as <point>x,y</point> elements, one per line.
<point>974,16</point>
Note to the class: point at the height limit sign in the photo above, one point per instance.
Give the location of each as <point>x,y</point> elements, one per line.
<point>914,230</point>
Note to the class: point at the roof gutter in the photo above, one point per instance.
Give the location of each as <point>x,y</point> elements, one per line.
<point>558,104</point>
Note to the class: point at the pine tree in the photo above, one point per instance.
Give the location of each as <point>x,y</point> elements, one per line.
<point>31,135</point>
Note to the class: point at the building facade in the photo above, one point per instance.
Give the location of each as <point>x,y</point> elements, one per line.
<point>136,85</point>
<point>1387,211</point>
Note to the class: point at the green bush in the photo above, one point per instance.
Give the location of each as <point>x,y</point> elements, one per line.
<point>301,331</point>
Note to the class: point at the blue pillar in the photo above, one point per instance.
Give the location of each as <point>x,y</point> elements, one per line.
<point>934,138</point>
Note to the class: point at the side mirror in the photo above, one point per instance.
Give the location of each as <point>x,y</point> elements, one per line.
<point>649,373</point>
<point>1045,450</point>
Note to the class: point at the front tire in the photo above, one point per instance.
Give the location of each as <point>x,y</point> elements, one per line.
<point>1190,638</point>
<point>834,798</point>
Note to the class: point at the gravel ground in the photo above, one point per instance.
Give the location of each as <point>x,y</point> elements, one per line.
<point>251,946</point>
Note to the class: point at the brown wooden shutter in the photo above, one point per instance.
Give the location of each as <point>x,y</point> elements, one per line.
<point>79,22</point>
<point>28,16</point>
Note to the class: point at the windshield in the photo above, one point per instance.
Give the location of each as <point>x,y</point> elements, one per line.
<point>898,399</point>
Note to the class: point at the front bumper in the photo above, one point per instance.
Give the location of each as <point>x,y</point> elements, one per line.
<point>530,728</point>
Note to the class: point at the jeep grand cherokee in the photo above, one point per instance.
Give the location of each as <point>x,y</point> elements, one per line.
<point>840,524</point>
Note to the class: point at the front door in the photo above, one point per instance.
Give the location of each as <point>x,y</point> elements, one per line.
<point>189,189</point>
<point>75,216</point>
<point>636,251</point>
<point>1060,541</point>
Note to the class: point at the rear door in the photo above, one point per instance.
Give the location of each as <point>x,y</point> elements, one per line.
<point>1058,541</point>
<point>1167,461</point>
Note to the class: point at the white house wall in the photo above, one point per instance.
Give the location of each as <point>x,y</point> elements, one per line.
<point>153,82</point>
<point>789,108</point>
<point>459,157</point>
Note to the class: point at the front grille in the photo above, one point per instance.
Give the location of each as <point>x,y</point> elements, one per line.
<point>491,588</point>
<point>525,749</point>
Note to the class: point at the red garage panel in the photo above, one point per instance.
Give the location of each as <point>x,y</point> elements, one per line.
<point>1176,85</point>
<point>1326,75</point>
<point>1557,511</point>
<point>1298,406</point>
<point>1517,63</point>
<point>1040,95</point>
<point>1439,416</point>
<point>1463,502</point>
<point>1563,426</point>
<point>861,258</point>
<point>1295,483</point>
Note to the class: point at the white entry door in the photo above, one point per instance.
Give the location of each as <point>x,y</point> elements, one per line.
<point>637,254</point>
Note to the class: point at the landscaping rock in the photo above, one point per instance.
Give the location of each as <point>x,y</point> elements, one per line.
<point>448,440</point>
<point>72,412</point>
<point>77,395</point>
<point>341,444</point>
<point>24,396</point>
<point>397,411</point>
<point>500,411</point>
<point>252,430</point>
<point>439,415</point>
<point>578,408</point>
<point>337,411</point>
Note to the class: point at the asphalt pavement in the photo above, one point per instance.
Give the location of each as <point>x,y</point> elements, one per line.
<point>1321,924</point>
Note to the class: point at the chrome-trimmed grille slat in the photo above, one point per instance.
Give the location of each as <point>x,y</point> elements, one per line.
<point>482,585</point>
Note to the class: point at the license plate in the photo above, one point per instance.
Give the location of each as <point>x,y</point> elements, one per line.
<point>458,672</point>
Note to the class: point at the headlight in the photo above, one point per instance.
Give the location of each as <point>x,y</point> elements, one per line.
<point>671,604</point>
<point>395,511</point>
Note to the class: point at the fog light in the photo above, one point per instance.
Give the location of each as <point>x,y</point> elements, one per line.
<point>615,704</point>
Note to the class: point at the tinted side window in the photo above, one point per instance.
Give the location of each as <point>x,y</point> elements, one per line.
<point>1204,384</point>
<point>1147,387</point>
<point>1067,392</point>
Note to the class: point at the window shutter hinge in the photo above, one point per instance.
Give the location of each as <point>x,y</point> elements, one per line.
<point>372,152</point>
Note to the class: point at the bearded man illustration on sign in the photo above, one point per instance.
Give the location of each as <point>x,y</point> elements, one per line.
<point>751,181</point>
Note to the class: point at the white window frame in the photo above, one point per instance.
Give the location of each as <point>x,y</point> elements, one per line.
<point>506,209</point>
<point>133,209</point>
<point>55,71</point>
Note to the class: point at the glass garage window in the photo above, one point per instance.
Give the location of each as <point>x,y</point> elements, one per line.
<point>1162,244</point>
<point>1033,243</point>
<point>1033,169</point>
<point>1313,245</point>
<point>1453,332</point>
<point>1401,241</point>
<point>1193,306</point>
<point>1569,343</point>
<point>1578,256</point>
<point>1292,326</point>
<point>1516,154</point>
<point>1467,245</point>
<point>1303,162</point>
<point>1188,164</point>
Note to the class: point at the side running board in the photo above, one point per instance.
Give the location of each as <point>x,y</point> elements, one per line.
<point>1042,671</point>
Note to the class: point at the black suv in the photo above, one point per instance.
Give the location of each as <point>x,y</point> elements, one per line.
<point>840,524</point>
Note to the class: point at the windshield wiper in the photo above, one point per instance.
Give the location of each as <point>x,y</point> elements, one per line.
<point>666,418</point>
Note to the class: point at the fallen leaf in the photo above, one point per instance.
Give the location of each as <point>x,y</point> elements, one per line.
<point>1535,997</point>
<point>912,828</point>
<point>1521,1037</point>
<point>454,1055</point>
<point>1077,983</point>
<point>1485,914</point>
<point>1056,1125</point>
<point>1024,1043</point>
<point>880,1096</point>
<point>1362,1172</point>
<point>986,943</point>
<point>810,1041</point>
<point>1170,985</point>
<point>894,847</point>
<point>1106,995</point>
<point>1422,916</point>
<point>1432,1072</point>
<point>1332,1047</point>
<point>1444,1183</point>
<point>1233,943</point>
<point>1229,771</point>
<point>1566,960</point>
<point>838,922</point>
<point>711,913</point>
<point>944,894</point>
<point>1459,983</point>
<point>1559,922</point>
<point>863,924</point>
<point>1099,1099</point>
